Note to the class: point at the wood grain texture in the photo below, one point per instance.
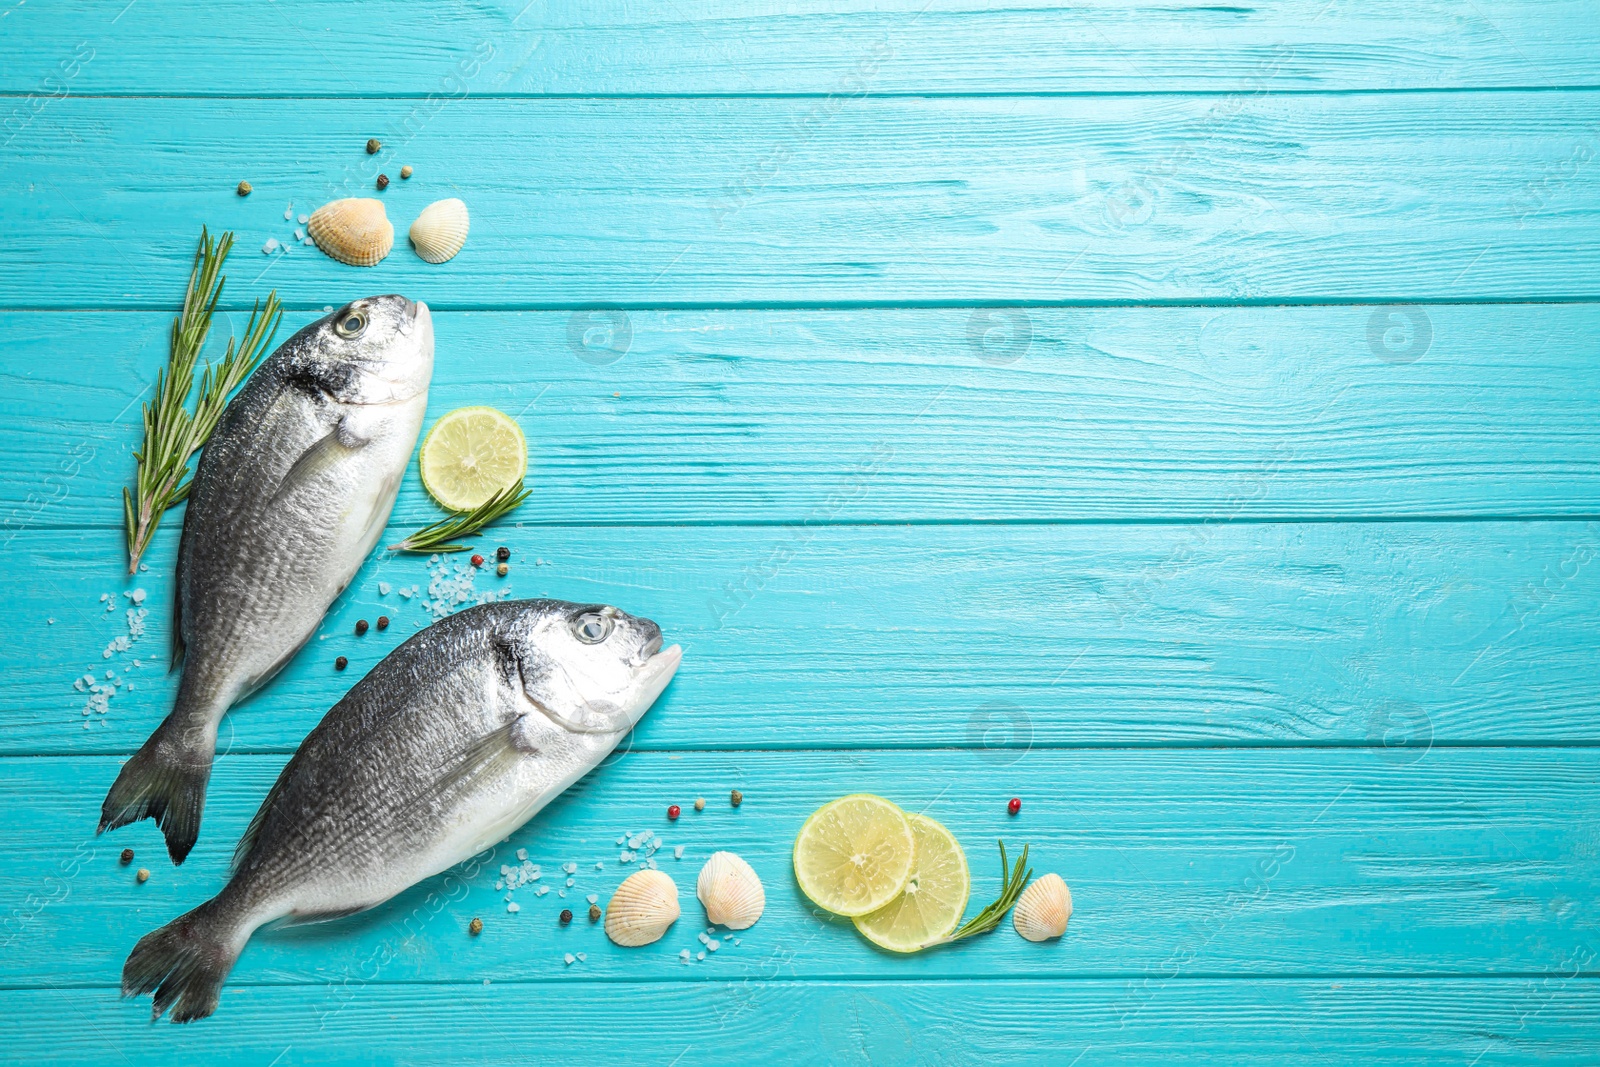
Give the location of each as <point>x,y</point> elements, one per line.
<point>992,637</point>
<point>1182,864</point>
<point>721,202</point>
<point>790,417</point>
<point>586,47</point>
<point>1232,1023</point>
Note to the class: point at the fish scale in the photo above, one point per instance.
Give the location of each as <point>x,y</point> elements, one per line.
<point>290,494</point>
<point>449,744</point>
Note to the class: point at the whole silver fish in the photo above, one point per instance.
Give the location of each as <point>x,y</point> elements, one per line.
<point>292,490</point>
<point>457,738</point>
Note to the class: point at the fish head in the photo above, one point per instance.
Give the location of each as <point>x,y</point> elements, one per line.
<point>376,350</point>
<point>591,668</point>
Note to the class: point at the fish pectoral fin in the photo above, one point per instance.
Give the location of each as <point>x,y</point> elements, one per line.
<point>485,759</point>
<point>337,444</point>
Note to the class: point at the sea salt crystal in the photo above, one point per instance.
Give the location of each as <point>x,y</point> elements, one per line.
<point>383,588</point>
<point>271,246</point>
<point>699,955</point>
<point>624,856</point>
<point>541,891</point>
<point>303,219</point>
<point>522,853</point>
<point>705,938</point>
<point>582,956</point>
<point>713,945</point>
<point>288,212</point>
<point>651,864</point>
<point>570,867</point>
<point>684,955</point>
<point>593,898</point>
<point>623,840</point>
<point>677,852</point>
<point>570,958</point>
<point>599,866</point>
<point>137,596</point>
<point>513,907</point>
<point>561,892</point>
<point>500,884</point>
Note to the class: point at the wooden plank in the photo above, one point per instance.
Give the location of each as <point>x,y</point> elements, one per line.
<point>1255,199</point>
<point>303,47</point>
<point>1182,863</point>
<point>1386,634</point>
<point>1169,414</point>
<point>1238,1023</point>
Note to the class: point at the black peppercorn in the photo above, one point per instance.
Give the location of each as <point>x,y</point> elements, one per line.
<point>127,856</point>
<point>361,627</point>
<point>383,622</point>
<point>383,181</point>
<point>566,916</point>
<point>340,664</point>
<point>502,553</point>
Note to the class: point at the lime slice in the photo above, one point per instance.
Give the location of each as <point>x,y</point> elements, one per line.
<point>853,855</point>
<point>470,455</point>
<point>935,894</point>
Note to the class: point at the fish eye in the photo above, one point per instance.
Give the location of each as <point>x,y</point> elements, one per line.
<point>350,324</point>
<point>592,627</point>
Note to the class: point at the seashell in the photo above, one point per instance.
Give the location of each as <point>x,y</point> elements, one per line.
<point>440,230</point>
<point>1044,908</point>
<point>642,908</point>
<point>731,892</point>
<point>354,231</point>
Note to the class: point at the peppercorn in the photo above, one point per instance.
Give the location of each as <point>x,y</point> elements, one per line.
<point>127,856</point>
<point>502,569</point>
<point>361,627</point>
<point>475,927</point>
<point>373,144</point>
<point>477,560</point>
<point>1015,805</point>
<point>405,172</point>
<point>566,916</point>
<point>673,812</point>
<point>502,553</point>
<point>340,664</point>
<point>594,913</point>
<point>699,803</point>
<point>244,189</point>
<point>143,875</point>
<point>736,798</point>
<point>383,181</point>
<point>383,622</point>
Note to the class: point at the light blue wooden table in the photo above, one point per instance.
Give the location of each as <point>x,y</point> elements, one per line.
<point>1184,418</point>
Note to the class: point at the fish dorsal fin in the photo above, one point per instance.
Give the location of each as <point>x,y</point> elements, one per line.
<point>253,831</point>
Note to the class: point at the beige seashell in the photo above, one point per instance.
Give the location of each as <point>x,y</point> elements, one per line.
<point>642,908</point>
<point>1044,908</point>
<point>354,231</point>
<point>731,892</point>
<point>440,230</point>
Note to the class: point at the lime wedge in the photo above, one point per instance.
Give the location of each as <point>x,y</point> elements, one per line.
<point>935,894</point>
<point>470,455</point>
<point>853,855</point>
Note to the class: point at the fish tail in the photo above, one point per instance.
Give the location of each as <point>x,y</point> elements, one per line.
<point>166,781</point>
<point>185,961</point>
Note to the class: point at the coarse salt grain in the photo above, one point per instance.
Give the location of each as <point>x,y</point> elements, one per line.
<point>513,907</point>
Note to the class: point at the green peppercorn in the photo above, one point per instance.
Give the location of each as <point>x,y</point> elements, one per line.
<point>373,144</point>
<point>736,798</point>
<point>475,927</point>
<point>594,913</point>
<point>244,189</point>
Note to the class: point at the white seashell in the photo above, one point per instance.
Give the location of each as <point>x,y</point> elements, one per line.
<point>641,909</point>
<point>440,230</point>
<point>354,230</point>
<point>731,892</point>
<point>1044,908</point>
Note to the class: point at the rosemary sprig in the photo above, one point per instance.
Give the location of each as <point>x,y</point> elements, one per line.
<point>441,536</point>
<point>172,433</point>
<point>1013,882</point>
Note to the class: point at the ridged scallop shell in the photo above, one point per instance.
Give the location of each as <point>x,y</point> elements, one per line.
<point>354,230</point>
<point>1044,908</point>
<point>731,892</point>
<point>642,908</point>
<point>440,230</point>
